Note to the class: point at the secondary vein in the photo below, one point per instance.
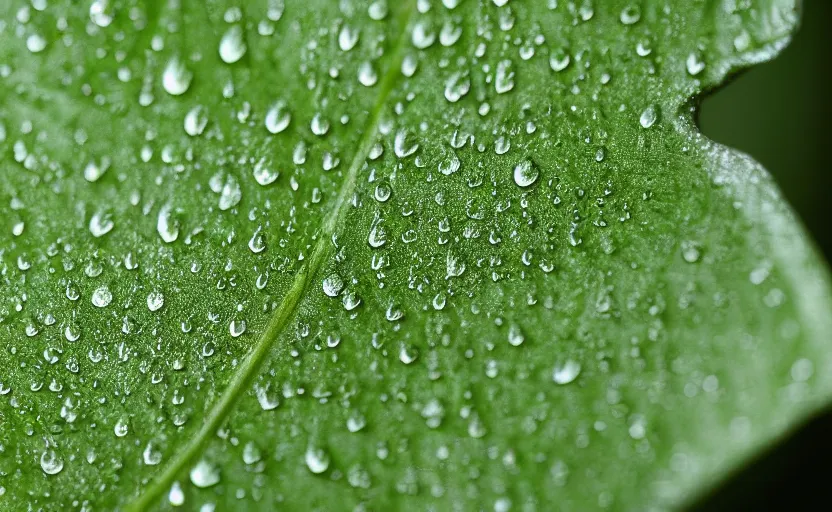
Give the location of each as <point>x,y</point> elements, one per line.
<point>285,312</point>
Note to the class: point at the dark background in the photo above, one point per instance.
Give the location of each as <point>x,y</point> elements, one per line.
<point>779,113</point>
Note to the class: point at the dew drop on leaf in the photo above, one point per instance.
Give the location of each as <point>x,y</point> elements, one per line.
<point>195,121</point>
<point>101,297</point>
<point>176,78</point>
<point>317,460</point>
<point>204,474</point>
<point>232,46</point>
<point>566,372</point>
<point>649,116</point>
<point>278,117</point>
<point>526,173</point>
<point>332,285</point>
<point>155,300</point>
<point>51,463</point>
<point>236,328</point>
<point>176,496</point>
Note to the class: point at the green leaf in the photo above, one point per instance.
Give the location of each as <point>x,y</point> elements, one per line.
<point>387,255</point>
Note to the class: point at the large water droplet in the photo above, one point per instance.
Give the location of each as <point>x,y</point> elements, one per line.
<point>51,463</point>
<point>232,45</point>
<point>317,460</point>
<point>649,116</point>
<point>204,474</point>
<point>278,117</point>
<point>195,121</point>
<point>176,78</point>
<point>526,173</point>
<point>332,285</point>
<point>155,300</point>
<point>102,297</point>
<point>566,372</point>
<point>166,225</point>
<point>101,13</point>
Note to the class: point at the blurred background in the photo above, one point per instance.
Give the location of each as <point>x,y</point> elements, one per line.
<point>779,113</point>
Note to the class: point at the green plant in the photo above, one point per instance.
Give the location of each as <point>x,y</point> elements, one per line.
<point>400,255</point>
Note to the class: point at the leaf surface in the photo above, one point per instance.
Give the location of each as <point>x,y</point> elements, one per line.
<point>390,255</point>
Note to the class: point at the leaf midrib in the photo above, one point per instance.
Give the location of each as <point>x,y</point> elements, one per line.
<point>241,378</point>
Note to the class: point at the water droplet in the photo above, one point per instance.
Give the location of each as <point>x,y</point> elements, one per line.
<point>317,460</point>
<point>155,300</point>
<point>694,64</point>
<point>267,399</point>
<point>319,125</point>
<point>101,13</point>
<point>195,121</point>
<point>630,15</point>
<point>278,117</point>
<point>102,297</point>
<point>691,251</point>
<point>526,173</point>
<point>504,79</point>
<point>383,191</point>
<point>348,37</point>
<point>457,86</point>
<point>367,76</point>
<point>121,427</point>
<point>559,59</point>
<point>176,496</point>
<point>51,463</point>
<point>230,194</point>
<point>566,372</point>
<point>332,285</point>
<point>204,474</point>
<point>93,171</point>
<point>151,456</point>
<point>257,243</point>
<point>515,335</point>
<point>232,46</point>
<point>100,224</point>
<point>176,78</point>
<point>449,165</point>
<point>649,116</point>
<point>356,422</point>
<point>408,354</point>
<point>263,173</point>
<point>251,453</point>
<point>35,43</point>
<point>166,225</point>
<point>237,328</point>
<point>404,144</point>
<point>378,235</point>
<point>422,36</point>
